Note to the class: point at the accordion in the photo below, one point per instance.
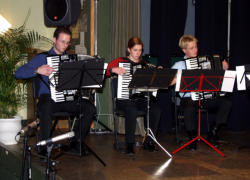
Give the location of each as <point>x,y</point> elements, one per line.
<point>123,91</point>
<point>58,61</point>
<point>204,62</point>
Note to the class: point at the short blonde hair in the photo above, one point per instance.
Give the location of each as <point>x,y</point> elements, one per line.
<point>186,39</point>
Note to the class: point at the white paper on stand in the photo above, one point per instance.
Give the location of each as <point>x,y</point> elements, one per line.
<point>228,81</point>
<point>241,79</point>
<point>178,80</point>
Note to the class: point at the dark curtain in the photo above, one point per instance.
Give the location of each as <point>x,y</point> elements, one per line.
<point>167,26</point>
<point>239,55</point>
<point>211,26</point>
<point>168,19</point>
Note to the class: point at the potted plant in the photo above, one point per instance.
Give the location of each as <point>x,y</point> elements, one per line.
<point>14,46</point>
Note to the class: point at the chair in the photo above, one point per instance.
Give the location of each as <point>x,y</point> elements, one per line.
<point>119,113</point>
<point>179,116</point>
<point>56,115</point>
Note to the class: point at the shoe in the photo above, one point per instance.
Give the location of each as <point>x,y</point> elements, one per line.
<point>149,146</point>
<point>213,139</point>
<point>213,135</point>
<point>130,149</point>
<point>43,155</point>
<point>193,145</point>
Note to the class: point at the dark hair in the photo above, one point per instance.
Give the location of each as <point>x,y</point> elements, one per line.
<point>132,42</point>
<point>62,29</point>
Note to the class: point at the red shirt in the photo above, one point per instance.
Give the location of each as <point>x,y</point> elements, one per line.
<point>115,63</point>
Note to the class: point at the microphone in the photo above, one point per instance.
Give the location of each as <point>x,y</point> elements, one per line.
<point>57,138</point>
<point>28,127</point>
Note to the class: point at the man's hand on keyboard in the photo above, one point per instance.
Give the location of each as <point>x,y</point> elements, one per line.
<point>44,70</point>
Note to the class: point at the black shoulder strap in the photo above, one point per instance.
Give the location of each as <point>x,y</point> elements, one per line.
<point>44,82</point>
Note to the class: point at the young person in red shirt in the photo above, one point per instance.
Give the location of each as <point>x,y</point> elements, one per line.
<point>131,106</point>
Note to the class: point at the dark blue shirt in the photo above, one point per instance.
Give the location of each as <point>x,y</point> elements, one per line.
<point>28,71</point>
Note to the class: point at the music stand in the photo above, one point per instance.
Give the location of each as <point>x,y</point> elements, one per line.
<point>243,84</point>
<point>149,80</point>
<point>87,73</point>
<point>200,81</point>
<point>243,77</point>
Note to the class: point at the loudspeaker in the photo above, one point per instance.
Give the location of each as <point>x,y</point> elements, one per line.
<point>61,12</point>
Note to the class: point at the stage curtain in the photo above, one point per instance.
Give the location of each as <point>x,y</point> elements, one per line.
<point>125,23</point>
<point>239,55</point>
<point>211,26</point>
<point>167,25</point>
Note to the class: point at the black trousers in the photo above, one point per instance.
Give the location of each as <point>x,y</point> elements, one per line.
<point>130,109</point>
<point>46,108</point>
<point>220,105</point>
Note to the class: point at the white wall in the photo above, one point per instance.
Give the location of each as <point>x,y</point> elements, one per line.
<point>15,12</point>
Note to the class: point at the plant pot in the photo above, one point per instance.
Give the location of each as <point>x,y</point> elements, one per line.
<point>9,129</point>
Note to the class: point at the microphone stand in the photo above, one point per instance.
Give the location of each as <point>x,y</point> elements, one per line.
<point>53,169</point>
<point>29,163</point>
<point>47,171</point>
<point>24,157</point>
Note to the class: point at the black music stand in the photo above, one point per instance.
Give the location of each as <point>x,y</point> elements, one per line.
<point>78,75</point>
<point>92,78</point>
<point>200,81</point>
<point>148,80</point>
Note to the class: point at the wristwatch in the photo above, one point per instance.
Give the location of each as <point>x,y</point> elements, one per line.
<point>35,72</point>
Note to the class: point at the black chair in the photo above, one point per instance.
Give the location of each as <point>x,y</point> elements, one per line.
<point>119,113</point>
<point>72,119</point>
<point>56,116</point>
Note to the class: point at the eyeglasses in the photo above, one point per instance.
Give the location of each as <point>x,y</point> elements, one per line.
<point>64,42</point>
<point>191,48</point>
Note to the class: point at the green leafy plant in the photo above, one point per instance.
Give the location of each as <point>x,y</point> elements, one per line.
<point>14,46</point>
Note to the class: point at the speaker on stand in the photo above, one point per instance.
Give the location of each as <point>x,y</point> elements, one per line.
<point>61,12</point>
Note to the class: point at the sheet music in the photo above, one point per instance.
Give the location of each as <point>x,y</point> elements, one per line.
<point>228,81</point>
<point>178,80</point>
<point>241,79</point>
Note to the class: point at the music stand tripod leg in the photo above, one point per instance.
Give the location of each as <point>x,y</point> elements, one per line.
<point>93,152</point>
<point>151,135</point>
<point>103,125</point>
<point>149,131</point>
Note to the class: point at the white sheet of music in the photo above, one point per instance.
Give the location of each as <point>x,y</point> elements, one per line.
<point>241,78</point>
<point>228,81</point>
<point>178,80</point>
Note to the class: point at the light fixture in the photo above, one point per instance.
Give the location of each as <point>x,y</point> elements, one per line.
<point>4,24</point>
